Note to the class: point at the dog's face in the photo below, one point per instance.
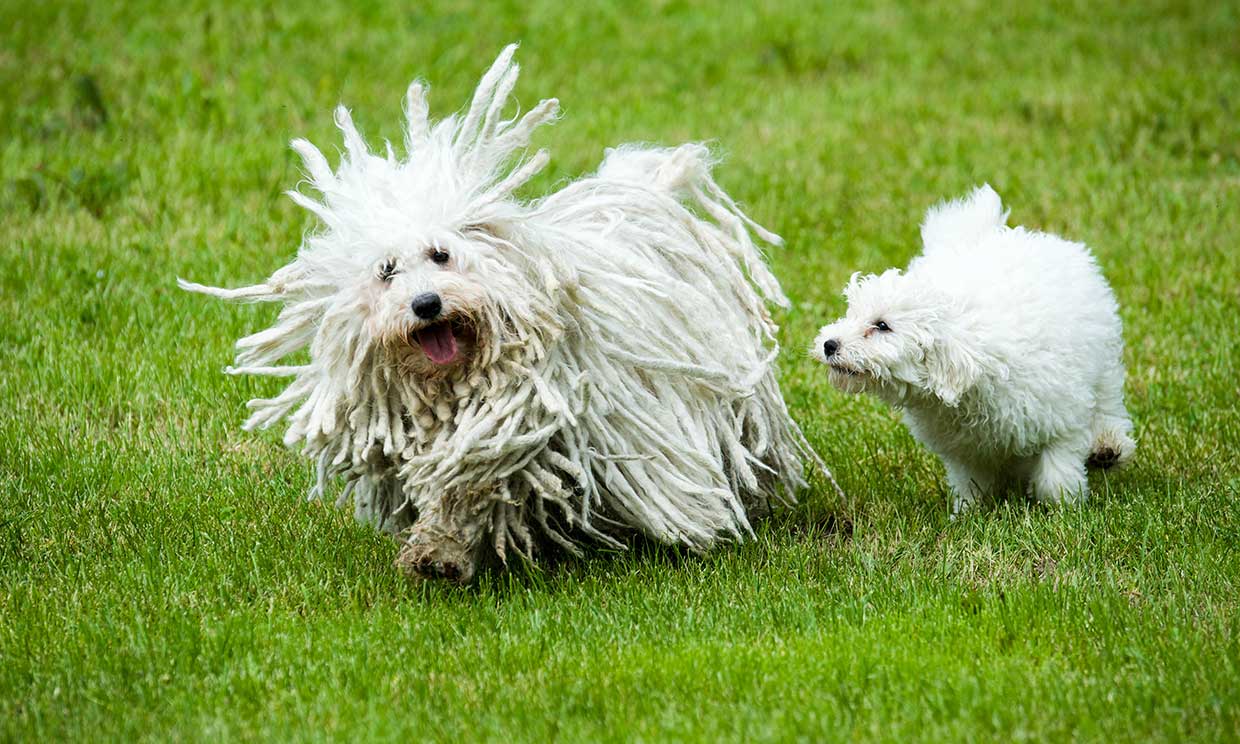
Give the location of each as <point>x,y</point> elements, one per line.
<point>899,340</point>
<point>430,304</point>
<point>423,270</point>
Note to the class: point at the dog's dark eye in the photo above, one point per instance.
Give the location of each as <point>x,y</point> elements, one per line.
<point>439,255</point>
<point>882,326</point>
<point>387,269</point>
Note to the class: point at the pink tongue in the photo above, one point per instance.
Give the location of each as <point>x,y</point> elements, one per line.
<point>438,343</point>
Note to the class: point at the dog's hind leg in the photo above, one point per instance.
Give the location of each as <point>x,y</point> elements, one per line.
<point>1111,441</point>
<point>1059,474</point>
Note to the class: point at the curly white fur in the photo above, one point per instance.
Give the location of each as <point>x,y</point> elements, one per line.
<point>1003,347</point>
<point>483,369</point>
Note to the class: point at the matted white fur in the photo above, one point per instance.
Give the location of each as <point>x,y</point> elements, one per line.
<point>1003,347</point>
<point>593,362</point>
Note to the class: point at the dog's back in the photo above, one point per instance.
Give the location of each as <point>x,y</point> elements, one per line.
<point>1027,291</point>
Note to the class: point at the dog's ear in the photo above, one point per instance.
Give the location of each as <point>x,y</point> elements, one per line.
<point>952,368</point>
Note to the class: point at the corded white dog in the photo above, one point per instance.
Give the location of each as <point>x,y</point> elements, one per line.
<point>1002,346</point>
<point>483,370</point>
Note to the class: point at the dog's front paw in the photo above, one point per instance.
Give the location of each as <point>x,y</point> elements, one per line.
<point>428,561</point>
<point>961,505</point>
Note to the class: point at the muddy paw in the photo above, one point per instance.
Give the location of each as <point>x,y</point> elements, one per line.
<point>427,563</point>
<point>1103,458</point>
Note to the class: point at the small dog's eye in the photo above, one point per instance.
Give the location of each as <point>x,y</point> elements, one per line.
<point>882,326</point>
<point>439,255</point>
<point>387,269</point>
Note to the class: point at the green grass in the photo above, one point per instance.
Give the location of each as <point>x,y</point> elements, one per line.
<point>161,576</point>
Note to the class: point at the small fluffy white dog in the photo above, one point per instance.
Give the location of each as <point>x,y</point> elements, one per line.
<point>482,371</point>
<point>1002,346</point>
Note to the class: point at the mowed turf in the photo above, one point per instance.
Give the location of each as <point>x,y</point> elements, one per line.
<point>161,576</point>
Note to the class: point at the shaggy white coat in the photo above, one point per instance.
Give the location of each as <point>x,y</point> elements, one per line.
<point>601,360</point>
<point>1003,347</point>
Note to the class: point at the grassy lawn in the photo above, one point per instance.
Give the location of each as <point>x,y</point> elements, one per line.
<point>162,577</point>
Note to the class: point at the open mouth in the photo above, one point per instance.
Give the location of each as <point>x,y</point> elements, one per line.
<point>441,341</point>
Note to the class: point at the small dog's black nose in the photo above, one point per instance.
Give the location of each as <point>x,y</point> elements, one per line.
<point>830,346</point>
<point>427,305</point>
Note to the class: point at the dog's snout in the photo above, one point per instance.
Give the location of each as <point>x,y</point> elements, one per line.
<point>829,347</point>
<point>427,305</point>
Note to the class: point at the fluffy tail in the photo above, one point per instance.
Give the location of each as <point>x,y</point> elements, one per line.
<point>963,221</point>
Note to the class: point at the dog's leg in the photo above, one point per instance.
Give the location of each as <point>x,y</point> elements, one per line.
<point>1111,440</point>
<point>969,484</point>
<point>444,545</point>
<point>1059,474</point>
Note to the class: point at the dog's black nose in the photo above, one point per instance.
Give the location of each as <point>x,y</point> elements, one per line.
<point>427,305</point>
<point>830,346</point>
